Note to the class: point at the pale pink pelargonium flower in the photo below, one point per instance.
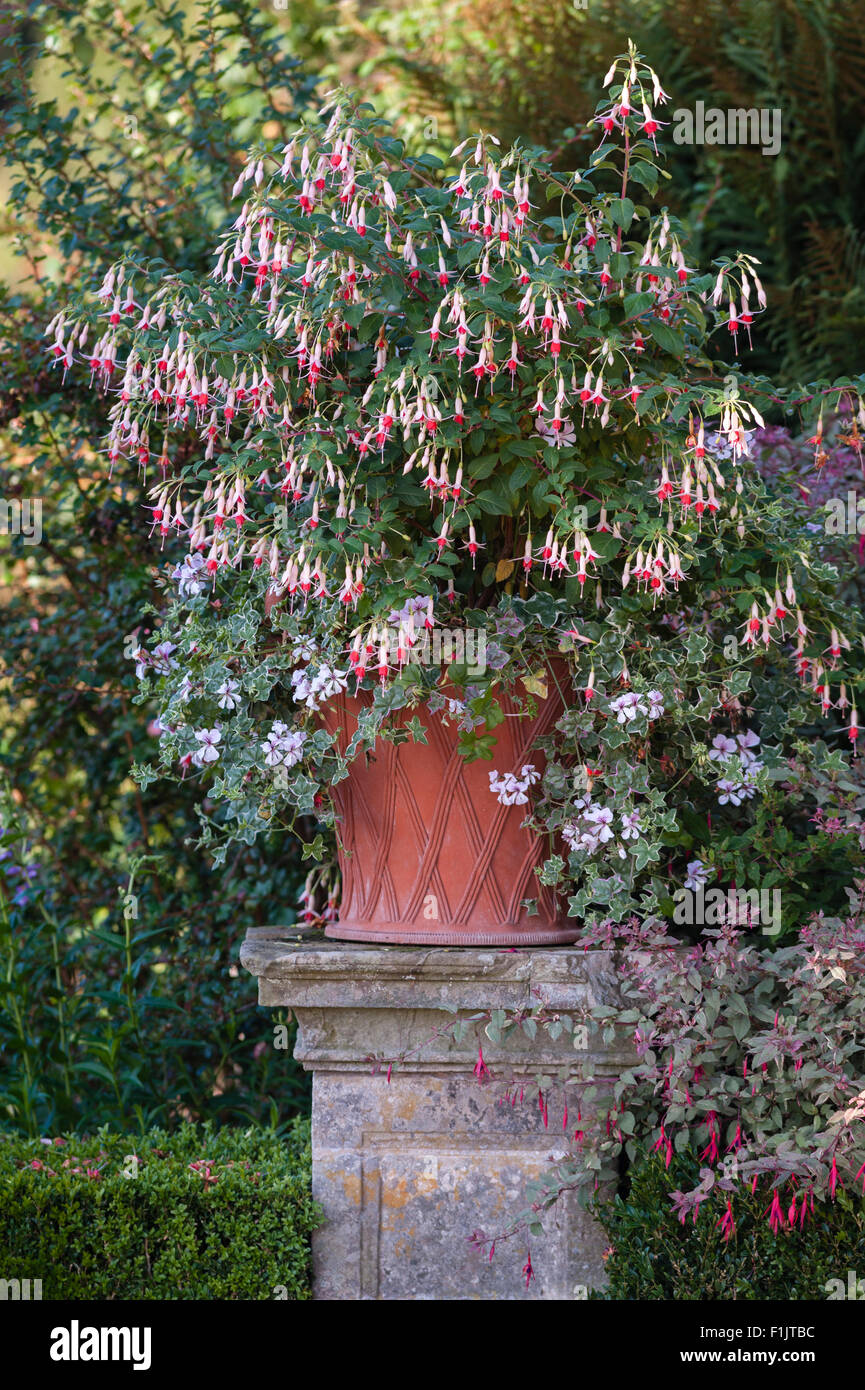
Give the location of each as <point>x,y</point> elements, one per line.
<point>208,751</point>
<point>162,659</point>
<point>723,748</point>
<point>631,825</point>
<point>600,818</point>
<point>229,694</point>
<point>733,790</point>
<point>189,578</point>
<point>313,689</point>
<point>512,790</point>
<point>729,793</point>
<point>696,876</point>
<point>283,746</point>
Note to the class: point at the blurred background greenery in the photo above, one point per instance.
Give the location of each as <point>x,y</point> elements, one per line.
<point>123,127</point>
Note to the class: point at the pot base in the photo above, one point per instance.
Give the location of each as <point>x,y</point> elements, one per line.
<point>407,935</point>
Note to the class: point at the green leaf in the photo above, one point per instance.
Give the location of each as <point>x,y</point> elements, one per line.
<point>622,212</point>
<point>667,338</point>
<point>620,265</point>
<point>644,174</point>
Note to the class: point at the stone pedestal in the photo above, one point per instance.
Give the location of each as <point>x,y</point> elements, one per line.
<point>407,1169</point>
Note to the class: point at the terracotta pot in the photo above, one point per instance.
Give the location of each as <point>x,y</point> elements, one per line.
<point>428,854</point>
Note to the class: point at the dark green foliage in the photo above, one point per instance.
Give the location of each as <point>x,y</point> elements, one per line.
<point>121,128</point>
<point>126,121</point>
<point>527,69</point>
<point>234,1225</point>
<point>655,1256</point>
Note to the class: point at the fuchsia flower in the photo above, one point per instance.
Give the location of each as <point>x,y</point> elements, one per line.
<point>776,1215</point>
<point>834,1180</point>
<point>542,1106</point>
<point>664,1143</point>
<point>727,1223</point>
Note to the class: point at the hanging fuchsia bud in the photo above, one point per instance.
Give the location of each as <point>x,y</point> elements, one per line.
<point>790,592</point>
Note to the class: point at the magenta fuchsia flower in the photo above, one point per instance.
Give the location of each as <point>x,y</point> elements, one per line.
<point>727,1222</point>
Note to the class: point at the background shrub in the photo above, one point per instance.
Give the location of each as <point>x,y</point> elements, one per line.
<point>655,1256</point>
<point>193,1214</point>
<point>526,69</point>
<point>121,127</point>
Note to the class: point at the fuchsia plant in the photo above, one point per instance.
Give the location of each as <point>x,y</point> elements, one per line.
<point>404,402</point>
<point>751,1059</point>
<point>407,401</point>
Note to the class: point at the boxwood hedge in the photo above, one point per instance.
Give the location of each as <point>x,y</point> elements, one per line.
<point>195,1213</point>
<point>654,1256</point>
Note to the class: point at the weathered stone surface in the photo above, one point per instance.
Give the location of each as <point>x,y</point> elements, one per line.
<point>406,1170</point>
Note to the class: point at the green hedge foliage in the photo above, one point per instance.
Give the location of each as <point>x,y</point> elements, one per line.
<point>196,1213</point>
<point>653,1256</point>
